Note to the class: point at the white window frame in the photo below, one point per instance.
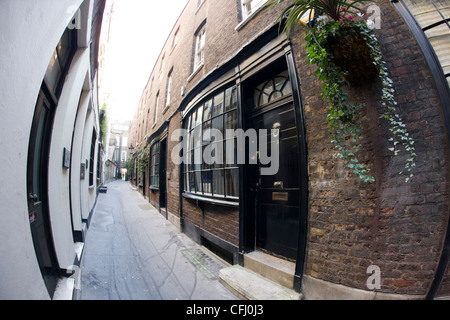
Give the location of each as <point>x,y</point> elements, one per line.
<point>169,89</point>
<point>249,9</point>
<point>199,56</point>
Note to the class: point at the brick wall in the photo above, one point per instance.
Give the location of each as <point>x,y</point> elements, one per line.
<point>396,225</point>
<point>221,221</point>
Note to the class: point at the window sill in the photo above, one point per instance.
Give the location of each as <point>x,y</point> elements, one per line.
<point>165,109</point>
<point>153,188</point>
<point>215,201</point>
<point>195,72</point>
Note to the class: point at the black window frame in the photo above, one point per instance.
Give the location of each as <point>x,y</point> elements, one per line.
<point>199,180</point>
<point>92,158</point>
<point>153,175</point>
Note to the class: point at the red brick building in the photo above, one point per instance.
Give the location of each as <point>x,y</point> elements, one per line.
<point>225,66</point>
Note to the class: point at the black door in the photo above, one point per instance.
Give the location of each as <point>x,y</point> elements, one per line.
<point>37,173</point>
<point>163,173</point>
<point>278,195</point>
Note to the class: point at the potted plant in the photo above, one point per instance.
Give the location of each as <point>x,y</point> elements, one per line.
<point>347,53</point>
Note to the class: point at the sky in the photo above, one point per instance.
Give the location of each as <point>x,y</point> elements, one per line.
<point>140,29</point>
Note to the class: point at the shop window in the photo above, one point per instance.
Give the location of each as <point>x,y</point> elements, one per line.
<point>208,169</point>
<point>154,165</point>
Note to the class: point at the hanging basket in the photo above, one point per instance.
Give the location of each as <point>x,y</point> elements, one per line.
<point>352,55</point>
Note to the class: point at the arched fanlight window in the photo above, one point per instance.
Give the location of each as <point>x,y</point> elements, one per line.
<point>272,89</point>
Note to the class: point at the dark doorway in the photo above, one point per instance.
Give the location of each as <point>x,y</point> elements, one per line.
<point>163,174</point>
<point>273,201</point>
<point>37,186</point>
<point>278,196</point>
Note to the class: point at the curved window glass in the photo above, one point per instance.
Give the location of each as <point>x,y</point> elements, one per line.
<point>210,167</point>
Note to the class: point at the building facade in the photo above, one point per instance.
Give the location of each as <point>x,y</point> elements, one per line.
<point>50,135</point>
<point>227,66</point>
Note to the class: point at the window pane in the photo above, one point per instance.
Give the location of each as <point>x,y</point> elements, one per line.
<point>231,120</point>
<point>53,72</point>
<point>206,137</point>
<point>218,104</point>
<point>232,182</point>
<point>64,46</point>
<point>218,183</point>
<point>217,154</point>
<point>192,182</point>
<point>186,179</point>
<point>189,126</point>
<point>198,181</point>
<point>206,159</point>
<point>230,152</point>
<point>217,123</point>
<point>198,156</point>
<point>207,180</point>
<point>207,110</point>
<point>230,98</point>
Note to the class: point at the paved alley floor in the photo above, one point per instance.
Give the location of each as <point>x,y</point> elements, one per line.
<point>133,253</point>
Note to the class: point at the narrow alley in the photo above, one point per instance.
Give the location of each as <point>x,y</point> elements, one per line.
<point>192,150</point>
<point>132,252</point>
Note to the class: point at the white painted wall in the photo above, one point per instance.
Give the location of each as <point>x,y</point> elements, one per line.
<point>76,161</point>
<point>30,31</point>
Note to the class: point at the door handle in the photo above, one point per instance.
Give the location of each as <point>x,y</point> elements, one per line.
<point>278,184</point>
<point>34,197</point>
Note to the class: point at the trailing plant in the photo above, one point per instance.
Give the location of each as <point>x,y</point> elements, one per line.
<point>143,161</point>
<point>333,43</point>
<point>130,166</point>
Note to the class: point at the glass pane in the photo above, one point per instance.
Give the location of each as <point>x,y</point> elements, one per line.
<point>287,89</point>
<point>53,72</point>
<point>192,182</point>
<point>207,180</point>
<point>231,153</point>
<point>206,158</point>
<point>198,181</point>
<point>230,98</point>
<point>186,179</point>
<point>188,123</point>
<point>279,83</point>
<point>217,105</point>
<point>191,162</point>
<point>38,149</point>
<point>64,47</point>
<point>231,120</point>
<point>207,110</point>
<point>218,183</point>
<point>217,123</point>
<point>217,154</point>
<point>199,116</point>
<point>206,136</point>
<point>197,136</point>
<point>268,88</point>
<point>198,158</point>
<point>232,182</point>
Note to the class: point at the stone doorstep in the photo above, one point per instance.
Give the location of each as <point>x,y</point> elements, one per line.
<point>270,267</point>
<point>249,285</point>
